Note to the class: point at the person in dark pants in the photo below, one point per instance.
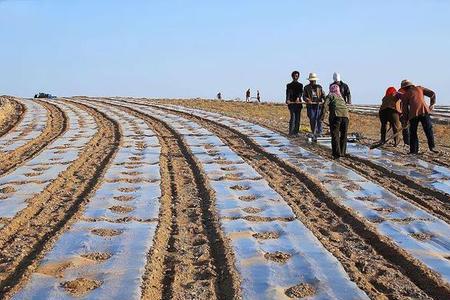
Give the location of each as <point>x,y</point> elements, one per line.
<point>416,110</point>
<point>343,87</point>
<point>390,112</point>
<point>314,96</point>
<point>247,95</point>
<point>294,91</point>
<point>338,118</point>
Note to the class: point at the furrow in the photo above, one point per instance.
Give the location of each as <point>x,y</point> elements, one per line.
<point>415,180</point>
<point>11,114</point>
<point>249,210</point>
<point>192,262</point>
<point>49,123</point>
<point>33,121</point>
<point>32,232</point>
<point>106,248</point>
<point>375,213</point>
<point>28,180</point>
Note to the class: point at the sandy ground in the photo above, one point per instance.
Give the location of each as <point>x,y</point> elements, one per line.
<point>191,256</point>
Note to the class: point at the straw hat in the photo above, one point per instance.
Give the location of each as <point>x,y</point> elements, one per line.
<point>313,77</point>
<point>406,83</point>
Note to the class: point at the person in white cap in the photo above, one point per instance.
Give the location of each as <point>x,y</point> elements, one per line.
<point>314,96</point>
<point>343,87</point>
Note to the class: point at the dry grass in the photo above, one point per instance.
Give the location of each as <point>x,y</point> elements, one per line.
<point>278,115</point>
<point>7,110</point>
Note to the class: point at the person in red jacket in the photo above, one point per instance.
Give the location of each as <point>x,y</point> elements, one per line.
<point>390,111</point>
<point>416,110</point>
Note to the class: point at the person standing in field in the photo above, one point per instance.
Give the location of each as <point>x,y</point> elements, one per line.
<point>257,96</point>
<point>416,110</point>
<point>219,96</point>
<point>390,112</point>
<point>343,87</point>
<point>314,96</point>
<point>294,91</point>
<point>338,118</point>
<point>247,95</point>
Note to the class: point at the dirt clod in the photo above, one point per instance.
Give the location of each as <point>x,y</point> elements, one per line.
<point>80,286</point>
<point>277,256</point>
<point>300,291</point>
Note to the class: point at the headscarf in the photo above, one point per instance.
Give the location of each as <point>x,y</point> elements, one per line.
<point>391,91</point>
<point>335,90</point>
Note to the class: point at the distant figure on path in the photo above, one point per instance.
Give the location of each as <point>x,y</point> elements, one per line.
<point>390,111</point>
<point>219,95</point>
<point>257,96</point>
<point>343,87</point>
<point>338,118</point>
<point>294,91</point>
<point>416,110</point>
<point>313,94</point>
<point>247,95</point>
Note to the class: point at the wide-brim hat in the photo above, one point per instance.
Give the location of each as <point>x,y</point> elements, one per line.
<point>406,83</point>
<point>313,77</point>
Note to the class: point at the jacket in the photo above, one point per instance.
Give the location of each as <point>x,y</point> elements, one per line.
<point>294,91</point>
<point>345,91</point>
<point>391,102</point>
<point>313,93</point>
<point>336,106</point>
<point>413,102</point>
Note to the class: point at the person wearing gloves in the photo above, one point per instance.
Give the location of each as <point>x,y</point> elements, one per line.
<point>338,118</point>
<point>416,110</point>
<point>390,112</point>
<point>313,95</point>
<point>294,91</point>
<point>343,87</point>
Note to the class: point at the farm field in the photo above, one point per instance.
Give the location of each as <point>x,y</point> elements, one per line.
<point>129,198</point>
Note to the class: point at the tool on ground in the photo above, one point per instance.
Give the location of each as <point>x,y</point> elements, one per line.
<point>351,138</point>
<point>381,143</point>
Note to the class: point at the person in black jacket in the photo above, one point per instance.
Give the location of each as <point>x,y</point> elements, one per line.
<point>343,87</point>
<point>294,92</point>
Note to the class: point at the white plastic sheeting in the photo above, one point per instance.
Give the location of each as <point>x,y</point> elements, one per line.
<point>243,195</point>
<point>30,127</point>
<point>127,203</point>
<point>32,177</point>
<point>428,174</point>
<point>423,235</point>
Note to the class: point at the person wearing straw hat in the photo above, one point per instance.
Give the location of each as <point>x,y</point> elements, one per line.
<point>338,118</point>
<point>416,110</point>
<point>314,97</point>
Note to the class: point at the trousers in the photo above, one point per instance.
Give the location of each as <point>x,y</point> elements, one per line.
<point>427,128</point>
<point>314,115</point>
<point>339,128</point>
<point>294,121</point>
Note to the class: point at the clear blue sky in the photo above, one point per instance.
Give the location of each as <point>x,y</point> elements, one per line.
<point>196,48</point>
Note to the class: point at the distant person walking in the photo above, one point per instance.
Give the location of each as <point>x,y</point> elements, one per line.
<point>257,96</point>
<point>390,111</point>
<point>313,95</point>
<point>343,87</point>
<point>294,91</point>
<point>338,118</point>
<point>247,95</point>
<point>219,96</point>
<point>416,110</point>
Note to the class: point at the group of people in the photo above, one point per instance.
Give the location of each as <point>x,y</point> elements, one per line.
<point>318,103</point>
<point>248,96</point>
<point>402,109</point>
